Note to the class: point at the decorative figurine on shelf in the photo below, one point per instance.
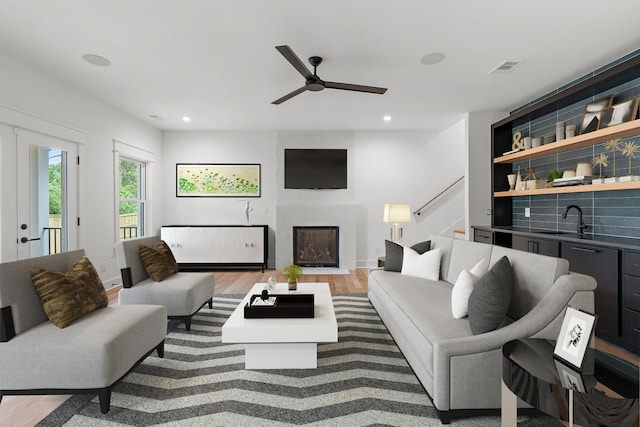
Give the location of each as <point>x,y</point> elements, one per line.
<point>600,160</point>
<point>531,180</point>
<point>630,149</point>
<point>518,143</point>
<point>531,173</point>
<point>519,183</point>
<point>613,145</point>
<point>247,210</point>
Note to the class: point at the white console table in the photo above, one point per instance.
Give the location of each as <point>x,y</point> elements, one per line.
<point>198,247</point>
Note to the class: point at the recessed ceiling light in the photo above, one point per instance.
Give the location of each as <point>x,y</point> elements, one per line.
<point>186,119</point>
<point>387,118</point>
<point>432,58</point>
<point>96,60</point>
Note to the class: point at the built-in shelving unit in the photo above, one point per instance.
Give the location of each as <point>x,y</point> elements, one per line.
<point>581,92</point>
<point>622,130</point>
<point>633,185</point>
<point>612,266</point>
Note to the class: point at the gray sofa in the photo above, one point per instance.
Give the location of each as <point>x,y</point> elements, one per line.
<point>182,293</point>
<point>87,357</point>
<point>460,371</point>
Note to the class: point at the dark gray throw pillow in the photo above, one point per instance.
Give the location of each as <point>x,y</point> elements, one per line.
<point>490,299</point>
<point>393,254</point>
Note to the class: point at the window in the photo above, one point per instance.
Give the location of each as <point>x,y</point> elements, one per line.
<point>132,198</point>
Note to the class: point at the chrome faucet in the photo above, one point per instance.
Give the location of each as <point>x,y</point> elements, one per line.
<point>581,224</point>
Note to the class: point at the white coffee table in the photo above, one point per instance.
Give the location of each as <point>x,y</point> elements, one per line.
<point>284,343</point>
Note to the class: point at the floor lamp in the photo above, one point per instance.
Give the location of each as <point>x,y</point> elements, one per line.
<point>396,214</point>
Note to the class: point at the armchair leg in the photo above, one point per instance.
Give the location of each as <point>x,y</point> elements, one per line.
<point>160,349</point>
<point>187,324</point>
<point>104,396</point>
<point>210,302</point>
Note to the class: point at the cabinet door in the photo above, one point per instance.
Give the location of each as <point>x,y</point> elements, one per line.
<point>178,240</point>
<point>603,265</point>
<point>520,243</point>
<point>483,236</point>
<point>536,246</point>
<point>253,242</point>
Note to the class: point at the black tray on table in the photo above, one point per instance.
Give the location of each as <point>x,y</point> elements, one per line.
<point>285,306</point>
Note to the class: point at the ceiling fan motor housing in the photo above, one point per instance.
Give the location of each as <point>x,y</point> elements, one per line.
<point>314,85</point>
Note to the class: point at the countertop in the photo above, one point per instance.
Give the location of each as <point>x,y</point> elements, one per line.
<point>586,238</point>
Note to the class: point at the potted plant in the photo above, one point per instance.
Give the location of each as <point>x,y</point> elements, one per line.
<point>292,271</point>
<point>554,174</point>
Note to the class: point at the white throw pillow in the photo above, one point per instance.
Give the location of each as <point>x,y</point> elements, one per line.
<point>425,266</point>
<point>481,268</point>
<point>464,286</point>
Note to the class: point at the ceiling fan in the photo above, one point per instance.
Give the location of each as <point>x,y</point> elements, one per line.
<point>315,83</point>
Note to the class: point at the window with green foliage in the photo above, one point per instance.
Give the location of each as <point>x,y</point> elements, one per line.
<point>132,198</point>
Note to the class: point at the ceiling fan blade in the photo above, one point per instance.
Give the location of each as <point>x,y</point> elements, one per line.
<point>290,95</point>
<point>295,61</point>
<point>356,88</point>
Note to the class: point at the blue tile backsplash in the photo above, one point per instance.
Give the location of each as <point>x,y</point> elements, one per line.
<point>611,213</point>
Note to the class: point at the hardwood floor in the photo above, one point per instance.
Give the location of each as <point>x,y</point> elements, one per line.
<point>26,411</point>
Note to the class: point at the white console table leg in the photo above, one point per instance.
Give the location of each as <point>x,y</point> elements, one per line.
<point>281,356</point>
<point>509,411</point>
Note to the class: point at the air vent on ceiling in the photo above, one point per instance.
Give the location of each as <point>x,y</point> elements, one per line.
<point>505,67</point>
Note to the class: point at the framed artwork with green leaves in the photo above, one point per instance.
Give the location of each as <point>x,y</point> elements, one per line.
<point>217,180</point>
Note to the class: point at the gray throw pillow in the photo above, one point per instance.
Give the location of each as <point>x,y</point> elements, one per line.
<point>490,299</point>
<point>394,254</point>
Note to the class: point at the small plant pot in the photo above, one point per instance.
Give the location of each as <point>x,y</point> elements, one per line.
<point>293,286</point>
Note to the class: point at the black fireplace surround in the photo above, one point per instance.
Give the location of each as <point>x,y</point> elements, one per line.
<point>316,246</point>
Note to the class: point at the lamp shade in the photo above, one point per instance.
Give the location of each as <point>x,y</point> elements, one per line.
<point>397,213</point>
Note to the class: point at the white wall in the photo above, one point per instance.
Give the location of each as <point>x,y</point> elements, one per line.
<point>478,152</point>
<point>221,147</point>
<point>407,167</point>
<point>384,167</point>
<point>44,98</point>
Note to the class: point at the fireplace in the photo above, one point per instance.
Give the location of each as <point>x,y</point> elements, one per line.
<point>316,246</point>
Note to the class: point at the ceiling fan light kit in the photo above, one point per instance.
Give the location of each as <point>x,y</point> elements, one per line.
<point>314,83</point>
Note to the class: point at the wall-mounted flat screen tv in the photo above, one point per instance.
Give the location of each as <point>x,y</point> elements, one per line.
<point>315,168</point>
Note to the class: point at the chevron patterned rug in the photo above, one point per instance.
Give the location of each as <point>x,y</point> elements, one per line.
<point>361,380</point>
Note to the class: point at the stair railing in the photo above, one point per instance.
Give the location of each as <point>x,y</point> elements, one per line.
<point>437,196</point>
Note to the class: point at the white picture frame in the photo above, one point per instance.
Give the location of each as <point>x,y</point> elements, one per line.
<point>574,336</point>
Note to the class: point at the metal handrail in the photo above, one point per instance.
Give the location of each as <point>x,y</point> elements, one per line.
<point>419,210</point>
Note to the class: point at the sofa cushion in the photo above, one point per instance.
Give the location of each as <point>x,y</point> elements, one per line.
<point>182,293</point>
<point>66,297</point>
<point>91,353</point>
<point>465,254</point>
<point>158,261</point>
<point>426,265</point>
<point>427,304</point>
<point>394,254</point>
<point>490,299</point>
<point>464,286</point>
<point>534,275</point>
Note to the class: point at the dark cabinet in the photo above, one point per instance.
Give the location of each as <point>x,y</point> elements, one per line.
<point>631,301</point>
<point>536,245</point>
<point>603,265</point>
<point>482,236</point>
